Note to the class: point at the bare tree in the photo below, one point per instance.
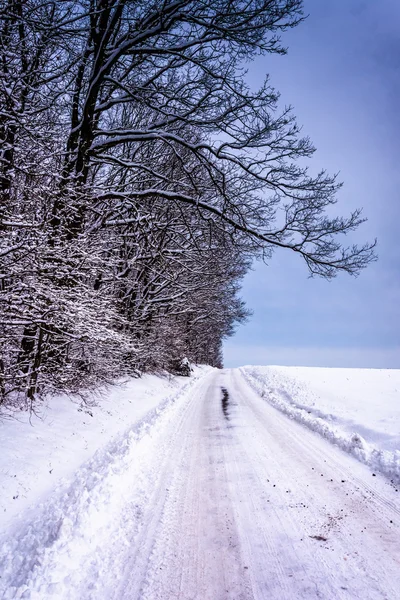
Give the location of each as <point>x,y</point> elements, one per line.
<point>139,176</point>
<point>170,78</point>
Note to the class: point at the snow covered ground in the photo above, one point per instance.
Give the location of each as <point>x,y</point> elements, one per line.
<point>192,490</point>
<point>43,450</point>
<point>357,409</point>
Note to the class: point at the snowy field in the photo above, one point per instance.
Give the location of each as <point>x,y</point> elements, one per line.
<point>44,450</point>
<point>358,409</point>
<point>200,489</point>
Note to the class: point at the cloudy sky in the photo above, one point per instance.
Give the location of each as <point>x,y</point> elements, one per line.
<point>342,76</point>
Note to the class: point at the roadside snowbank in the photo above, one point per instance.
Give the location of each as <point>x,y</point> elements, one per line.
<point>41,450</point>
<point>356,409</point>
<point>75,522</point>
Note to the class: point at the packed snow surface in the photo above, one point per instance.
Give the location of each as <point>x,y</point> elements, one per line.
<point>39,451</point>
<point>210,494</point>
<point>358,409</point>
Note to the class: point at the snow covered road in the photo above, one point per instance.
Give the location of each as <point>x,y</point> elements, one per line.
<point>222,497</point>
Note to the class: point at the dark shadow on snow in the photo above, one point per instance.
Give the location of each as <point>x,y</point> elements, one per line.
<point>225,402</point>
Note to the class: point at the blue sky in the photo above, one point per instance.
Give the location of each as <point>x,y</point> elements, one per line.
<point>342,76</point>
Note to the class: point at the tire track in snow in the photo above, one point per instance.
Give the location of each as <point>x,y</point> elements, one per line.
<point>218,496</point>
<point>196,553</point>
<point>343,464</point>
<point>358,554</point>
<point>387,462</point>
<point>74,546</point>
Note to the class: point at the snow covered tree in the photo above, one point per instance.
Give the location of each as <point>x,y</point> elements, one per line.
<point>169,76</point>
<point>139,176</point>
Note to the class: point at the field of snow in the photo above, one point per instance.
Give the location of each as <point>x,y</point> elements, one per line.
<point>357,409</point>
<point>197,488</point>
<point>212,494</point>
<point>42,451</point>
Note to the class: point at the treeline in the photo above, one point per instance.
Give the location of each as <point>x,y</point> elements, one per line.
<point>139,176</point>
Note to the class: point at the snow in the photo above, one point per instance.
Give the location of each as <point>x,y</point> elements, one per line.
<point>357,409</point>
<point>41,450</point>
<point>43,551</point>
<point>193,488</point>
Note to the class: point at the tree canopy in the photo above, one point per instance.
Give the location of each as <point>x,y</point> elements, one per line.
<point>139,177</point>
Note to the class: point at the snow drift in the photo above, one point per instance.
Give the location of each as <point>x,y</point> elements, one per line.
<point>101,499</point>
<point>356,409</point>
